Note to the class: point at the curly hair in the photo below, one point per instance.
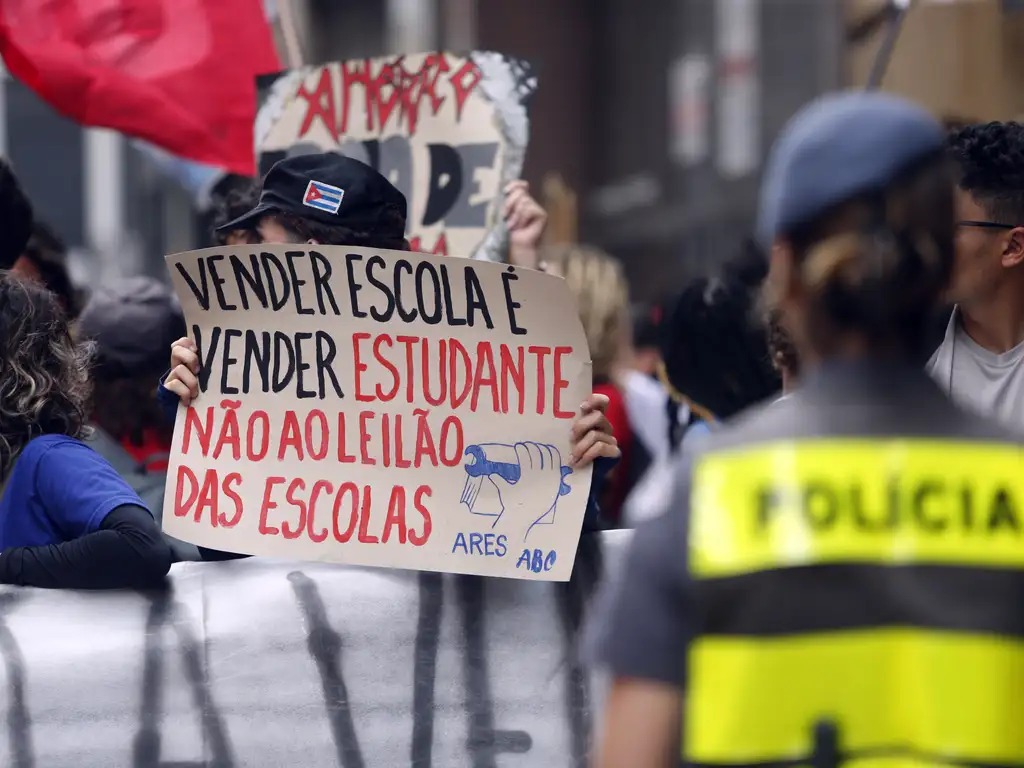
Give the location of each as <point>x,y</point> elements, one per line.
<point>714,348</point>
<point>780,346</point>
<point>44,373</point>
<point>237,202</point>
<point>307,229</point>
<point>990,158</point>
<point>48,254</point>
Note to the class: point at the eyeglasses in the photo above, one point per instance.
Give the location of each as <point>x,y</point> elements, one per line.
<point>986,225</point>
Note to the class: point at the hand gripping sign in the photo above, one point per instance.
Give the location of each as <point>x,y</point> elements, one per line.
<point>380,408</point>
<point>449,130</point>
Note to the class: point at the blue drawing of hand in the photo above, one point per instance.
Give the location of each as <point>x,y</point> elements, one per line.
<point>527,479</point>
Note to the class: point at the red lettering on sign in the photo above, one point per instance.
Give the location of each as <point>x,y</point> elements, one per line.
<point>392,95</point>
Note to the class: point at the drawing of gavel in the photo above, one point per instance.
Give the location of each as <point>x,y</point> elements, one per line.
<point>507,470</point>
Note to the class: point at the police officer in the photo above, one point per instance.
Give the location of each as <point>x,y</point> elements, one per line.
<point>840,576</point>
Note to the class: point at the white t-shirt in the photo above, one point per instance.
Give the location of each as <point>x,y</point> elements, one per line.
<point>988,383</point>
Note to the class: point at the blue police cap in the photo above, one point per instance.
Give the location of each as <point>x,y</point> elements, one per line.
<point>835,148</point>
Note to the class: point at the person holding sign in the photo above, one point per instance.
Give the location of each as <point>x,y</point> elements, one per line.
<point>839,576</point>
<point>330,199</point>
<point>67,520</point>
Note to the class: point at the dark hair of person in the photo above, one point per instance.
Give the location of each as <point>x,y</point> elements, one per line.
<point>239,200</point>
<point>780,345</point>
<point>877,266</point>
<point>48,253</point>
<point>646,322</point>
<point>44,373</point>
<point>126,408</point>
<point>15,217</point>
<point>713,345</point>
<point>990,160</point>
<point>307,229</point>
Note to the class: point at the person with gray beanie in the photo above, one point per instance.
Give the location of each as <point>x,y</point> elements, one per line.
<point>131,322</point>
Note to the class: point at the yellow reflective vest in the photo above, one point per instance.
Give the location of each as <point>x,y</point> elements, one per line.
<point>858,595</point>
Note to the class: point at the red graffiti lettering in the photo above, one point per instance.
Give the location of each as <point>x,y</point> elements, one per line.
<point>389,91</point>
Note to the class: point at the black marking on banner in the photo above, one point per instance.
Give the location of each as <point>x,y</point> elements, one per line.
<point>215,735</point>
<point>19,723</point>
<point>325,647</point>
<point>485,742</point>
<point>820,598</point>
<point>572,598</point>
<point>147,743</point>
<point>424,674</point>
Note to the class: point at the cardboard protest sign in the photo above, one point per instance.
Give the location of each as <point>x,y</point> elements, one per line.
<point>380,408</point>
<point>450,131</point>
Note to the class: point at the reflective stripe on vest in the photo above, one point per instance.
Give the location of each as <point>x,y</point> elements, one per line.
<point>874,585</point>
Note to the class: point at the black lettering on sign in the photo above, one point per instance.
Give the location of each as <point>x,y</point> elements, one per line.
<point>19,724</point>
<point>302,362</point>
<point>251,277</point>
<point>425,292</point>
<point>451,173</point>
<point>475,301</point>
<point>218,282</point>
<point>354,287</point>
<point>444,183</point>
<point>322,270</point>
<point>465,213</point>
<point>372,264</point>
<point>278,287</point>
<point>325,648</point>
<point>201,291</point>
<point>205,352</point>
<point>297,282</point>
<point>229,360</point>
<point>257,355</point>
<point>508,277</point>
<point>428,293</point>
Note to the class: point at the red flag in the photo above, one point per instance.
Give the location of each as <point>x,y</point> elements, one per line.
<point>177,73</point>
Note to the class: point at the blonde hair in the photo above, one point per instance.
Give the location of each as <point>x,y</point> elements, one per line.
<point>597,282</point>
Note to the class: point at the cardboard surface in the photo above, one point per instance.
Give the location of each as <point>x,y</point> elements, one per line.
<point>380,408</point>
<point>450,131</point>
<point>962,59</point>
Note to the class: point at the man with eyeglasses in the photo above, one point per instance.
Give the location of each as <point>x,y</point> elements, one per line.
<point>979,359</point>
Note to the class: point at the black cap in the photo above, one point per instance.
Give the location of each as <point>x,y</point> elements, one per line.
<point>133,322</point>
<point>331,189</point>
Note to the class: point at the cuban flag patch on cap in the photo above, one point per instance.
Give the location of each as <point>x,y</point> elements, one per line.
<point>323,197</point>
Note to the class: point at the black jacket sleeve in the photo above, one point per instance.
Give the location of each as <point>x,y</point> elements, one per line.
<point>216,556</point>
<point>128,551</point>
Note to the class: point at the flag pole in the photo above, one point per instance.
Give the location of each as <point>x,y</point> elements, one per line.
<point>900,8</point>
<point>290,33</point>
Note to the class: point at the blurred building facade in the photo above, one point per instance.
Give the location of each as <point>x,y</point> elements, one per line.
<point>656,113</point>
